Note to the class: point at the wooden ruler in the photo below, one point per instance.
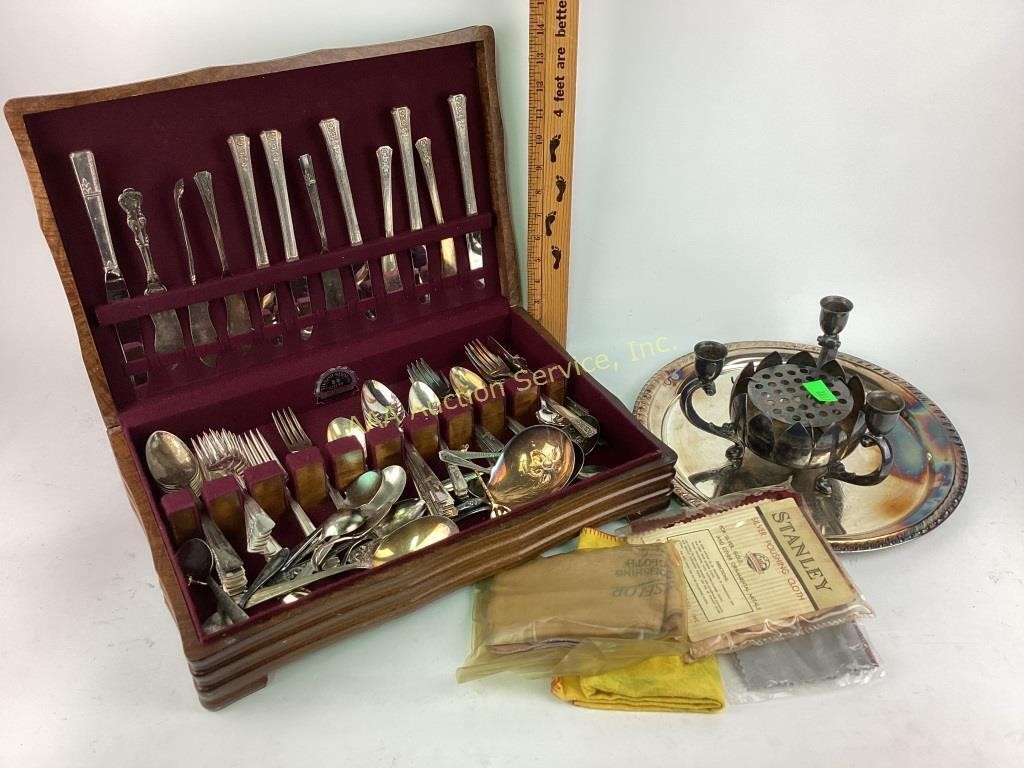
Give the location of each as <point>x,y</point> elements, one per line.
<point>554,30</point>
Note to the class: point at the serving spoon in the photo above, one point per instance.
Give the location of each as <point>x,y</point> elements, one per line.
<point>537,461</point>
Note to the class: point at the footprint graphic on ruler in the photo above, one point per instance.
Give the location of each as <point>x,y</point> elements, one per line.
<point>553,145</point>
<point>552,111</point>
<point>556,256</point>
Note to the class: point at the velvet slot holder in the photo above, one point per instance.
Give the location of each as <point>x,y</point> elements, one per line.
<point>147,135</point>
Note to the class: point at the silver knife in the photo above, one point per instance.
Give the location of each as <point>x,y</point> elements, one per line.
<point>331,130</point>
<point>449,266</point>
<point>299,285</point>
<point>403,127</point>
<point>167,336</point>
<point>199,322</point>
<point>474,242</point>
<point>334,295</point>
<point>129,333</point>
<point>239,320</point>
<point>388,264</point>
<point>239,144</point>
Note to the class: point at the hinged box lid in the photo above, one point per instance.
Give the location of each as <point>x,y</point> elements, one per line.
<point>147,135</point>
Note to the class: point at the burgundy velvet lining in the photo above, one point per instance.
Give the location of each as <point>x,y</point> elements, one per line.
<point>441,345</point>
<point>150,140</point>
<point>280,274</point>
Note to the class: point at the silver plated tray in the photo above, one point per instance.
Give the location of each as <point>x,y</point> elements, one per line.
<point>927,481</point>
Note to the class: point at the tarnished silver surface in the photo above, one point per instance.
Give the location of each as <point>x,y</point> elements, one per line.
<point>239,144</point>
<point>129,333</point>
<point>331,130</point>
<point>334,296</point>
<point>299,286</point>
<point>926,484</point>
<point>388,263</point>
<point>449,266</point>
<point>167,330</point>
<point>474,242</point>
<point>403,128</point>
<point>199,322</point>
<point>239,321</point>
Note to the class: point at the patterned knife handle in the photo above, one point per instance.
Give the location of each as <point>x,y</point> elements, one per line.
<point>275,162</point>
<point>331,130</point>
<point>84,164</point>
<point>457,103</point>
<point>239,144</point>
<point>403,127</point>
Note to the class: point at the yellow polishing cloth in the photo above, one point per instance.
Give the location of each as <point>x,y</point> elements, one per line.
<point>659,684</point>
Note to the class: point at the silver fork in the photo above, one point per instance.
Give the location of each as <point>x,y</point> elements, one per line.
<point>515,362</point>
<point>220,453</point>
<point>295,439</point>
<point>258,451</point>
<point>489,364</point>
<point>419,370</point>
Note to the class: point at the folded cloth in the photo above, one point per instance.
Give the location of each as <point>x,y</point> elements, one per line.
<point>633,592</point>
<point>659,684</point>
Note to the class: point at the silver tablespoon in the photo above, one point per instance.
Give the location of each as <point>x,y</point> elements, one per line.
<point>171,463</point>
<point>374,512</point>
<point>360,491</point>
<point>423,399</point>
<point>345,427</point>
<point>380,404</point>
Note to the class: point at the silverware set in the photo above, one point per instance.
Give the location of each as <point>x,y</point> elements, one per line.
<point>377,518</point>
<point>168,332</point>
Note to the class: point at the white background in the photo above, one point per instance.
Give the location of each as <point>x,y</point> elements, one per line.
<point>735,161</point>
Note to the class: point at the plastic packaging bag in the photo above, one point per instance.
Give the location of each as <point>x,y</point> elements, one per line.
<point>583,612</point>
<point>831,658</point>
<point>757,571</point>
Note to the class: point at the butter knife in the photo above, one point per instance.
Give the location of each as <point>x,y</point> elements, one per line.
<point>167,336</point>
<point>129,333</point>
<point>239,320</point>
<point>403,127</point>
<point>239,144</point>
<point>331,130</point>
<point>448,265</point>
<point>388,264</point>
<point>299,285</point>
<point>474,241</point>
<point>334,295</point>
<point>199,322</point>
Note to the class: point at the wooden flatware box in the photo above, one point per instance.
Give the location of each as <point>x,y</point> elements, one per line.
<point>146,135</point>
